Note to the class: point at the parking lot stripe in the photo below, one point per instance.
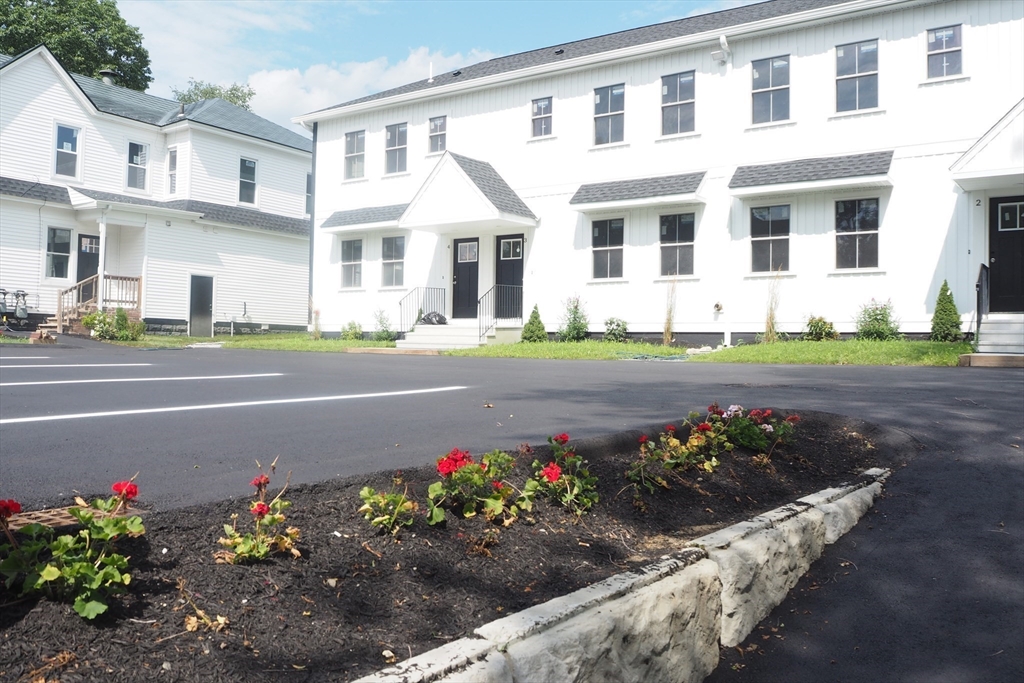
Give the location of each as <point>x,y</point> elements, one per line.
<point>6,357</point>
<point>215,406</point>
<point>137,379</point>
<point>78,365</point>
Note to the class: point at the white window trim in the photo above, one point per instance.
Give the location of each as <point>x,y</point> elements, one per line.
<point>591,248</point>
<point>549,115</point>
<point>670,211</point>
<point>620,112</point>
<point>404,171</point>
<point>346,156</point>
<point>79,153</point>
<point>768,202</point>
<point>147,167</point>
<point>256,193</point>
<point>770,89</point>
<point>661,127</point>
<point>853,197</point>
<point>347,237</point>
<point>963,64</point>
<point>72,247</point>
<point>430,136</point>
<point>836,78</point>
<point>176,173</point>
<point>403,260</point>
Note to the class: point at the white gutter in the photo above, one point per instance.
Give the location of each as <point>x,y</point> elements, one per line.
<point>850,182</point>
<point>660,200</point>
<point>645,49</point>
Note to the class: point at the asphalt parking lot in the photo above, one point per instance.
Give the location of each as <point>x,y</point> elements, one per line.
<point>938,589</point>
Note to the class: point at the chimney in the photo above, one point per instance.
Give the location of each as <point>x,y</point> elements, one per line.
<point>108,76</point>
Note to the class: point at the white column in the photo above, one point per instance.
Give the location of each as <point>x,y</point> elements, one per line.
<point>102,264</point>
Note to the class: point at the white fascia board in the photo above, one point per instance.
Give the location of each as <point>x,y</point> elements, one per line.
<point>246,228</point>
<point>186,124</point>
<point>787,21</point>
<point>990,180</point>
<point>498,221</point>
<point>812,186</point>
<point>95,207</point>
<point>641,202</point>
<point>36,202</point>
<point>991,133</point>
<point>361,227</point>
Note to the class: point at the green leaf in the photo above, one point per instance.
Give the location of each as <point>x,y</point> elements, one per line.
<point>493,506</point>
<point>89,609</point>
<point>435,490</point>
<point>51,573</point>
<point>435,513</point>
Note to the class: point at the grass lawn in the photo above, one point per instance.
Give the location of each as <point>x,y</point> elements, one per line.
<point>849,352</point>
<point>290,341</point>
<point>584,350</point>
<point>4,339</point>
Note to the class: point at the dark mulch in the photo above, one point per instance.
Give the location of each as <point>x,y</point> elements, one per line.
<point>356,594</point>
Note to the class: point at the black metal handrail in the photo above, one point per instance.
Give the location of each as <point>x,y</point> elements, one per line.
<point>982,288</point>
<point>500,302</point>
<point>417,304</point>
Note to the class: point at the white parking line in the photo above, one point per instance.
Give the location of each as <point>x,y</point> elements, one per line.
<point>79,365</point>
<point>138,379</point>
<point>214,406</point>
<point>6,357</point>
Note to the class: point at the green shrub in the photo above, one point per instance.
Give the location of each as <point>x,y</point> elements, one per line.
<point>876,322</point>
<point>534,330</point>
<point>946,319</point>
<point>352,331</point>
<point>575,324</point>
<point>117,326</point>
<point>615,329</point>
<point>819,329</point>
<point>383,331</point>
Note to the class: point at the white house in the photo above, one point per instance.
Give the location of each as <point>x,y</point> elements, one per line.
<point>837,151</point>
<point>194,215</point>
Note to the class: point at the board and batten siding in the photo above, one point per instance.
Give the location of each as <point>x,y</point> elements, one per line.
<point>263,271</point>
<point>928,123</point>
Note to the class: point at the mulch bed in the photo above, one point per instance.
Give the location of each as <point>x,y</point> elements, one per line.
<point>357,601</point>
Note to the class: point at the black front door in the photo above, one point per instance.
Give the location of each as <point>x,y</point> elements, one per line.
<point>465,273</point>
<point>1006,254</point>
<point>508,276</point>
<point>200,306</point>
<point>88,263</point>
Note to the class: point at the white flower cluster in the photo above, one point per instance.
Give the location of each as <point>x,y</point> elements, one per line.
<point>767,428</point>
<point>734,411</point>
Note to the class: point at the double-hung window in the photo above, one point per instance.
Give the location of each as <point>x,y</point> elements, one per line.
<point>438,128</point>
<point>393,261</point>
<point>67,151</point>
<point>609,119</point>
<point>58,252</point>
<point>607,247</point>
<point>352,263</point>
<point>309,193</point>
<point>771,89</point>
<point>247,181</point>
<point>394,154</point>
<point>677,244</point>
<point>355,150</point>
<point>677,103</point>
<point>857,76</point>
<point>857,233</point>
<point>138,162</point>
<point>541,117</point>
<point>944,58</point>
<point>769,238</point>
<point>172,171</point>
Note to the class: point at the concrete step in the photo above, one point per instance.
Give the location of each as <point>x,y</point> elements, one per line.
<point>992,360</point>
<point>441,337</point>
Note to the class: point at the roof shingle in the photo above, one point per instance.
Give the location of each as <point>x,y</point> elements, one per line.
<point>370,214</point>
<point>805,170</point>
<point>638,188</point>
<point>33,190</point>
<point>493,186</point>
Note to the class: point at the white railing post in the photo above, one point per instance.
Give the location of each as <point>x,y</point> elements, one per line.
<point>102,263</point>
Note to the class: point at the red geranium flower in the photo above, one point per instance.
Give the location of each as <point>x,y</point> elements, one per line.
<point>560,439</point>
<point>260,481</point>
<point>125,489</point>
<point>643,438</point>
<point>704,427</point>
<point>552,472</point>
<point>8,508</point>
<point>497,485</point>
<point>455,460</point>
<point>260,510</point>
<point>671,429</point>
<point>793,418</point>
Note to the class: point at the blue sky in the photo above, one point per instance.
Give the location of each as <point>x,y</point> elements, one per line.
<point>303,55</point>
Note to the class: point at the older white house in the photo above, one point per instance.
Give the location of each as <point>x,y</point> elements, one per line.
<point>837,151</point>
<point>192,216</point>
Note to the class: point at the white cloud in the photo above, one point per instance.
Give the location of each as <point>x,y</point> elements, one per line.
<point>284,93</point>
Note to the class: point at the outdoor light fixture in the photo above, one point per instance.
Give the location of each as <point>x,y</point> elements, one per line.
<point>722,56</point>
<point>718,307</point>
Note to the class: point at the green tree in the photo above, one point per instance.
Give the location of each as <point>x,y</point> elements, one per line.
<point>946,319</point>
<point>237,93</point>
<point>534,330</point>
<point>85,36</point>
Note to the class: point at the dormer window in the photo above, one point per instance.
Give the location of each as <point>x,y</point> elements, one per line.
<point>247,181</point>
<point>67,151</point>
<point>138,162</point>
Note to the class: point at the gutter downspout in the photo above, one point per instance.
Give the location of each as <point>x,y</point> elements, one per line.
<point>312,216</point>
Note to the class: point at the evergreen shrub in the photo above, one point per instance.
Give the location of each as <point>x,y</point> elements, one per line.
<point>534,330</point>
<point>946,319</point>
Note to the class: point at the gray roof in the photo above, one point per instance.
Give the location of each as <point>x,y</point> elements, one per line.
<point>33,190</point>
<point>639,188</point>
<point>493,186</point>
<point>805,170</point>
<point>232,215</point>
<point>157,111</point>
<point>714,21</point>
<point>370,214</point>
